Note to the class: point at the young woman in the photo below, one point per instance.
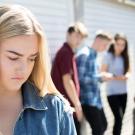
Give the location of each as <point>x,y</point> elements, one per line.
<point>116,63</point>
<point>29,102</point>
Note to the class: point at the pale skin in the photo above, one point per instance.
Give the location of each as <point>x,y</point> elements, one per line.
<point>74,40</point>
<point>17,58</point>
<point>101,45</point>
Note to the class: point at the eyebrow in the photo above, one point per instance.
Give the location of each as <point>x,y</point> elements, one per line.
<point>16,53</point>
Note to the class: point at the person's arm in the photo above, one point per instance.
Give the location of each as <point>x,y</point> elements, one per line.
<point>110,76</point>
<point>122,77</point>
<point>66,69</point>
<point>105,73</point>
<point>72,94</point>
<point>86,70</point>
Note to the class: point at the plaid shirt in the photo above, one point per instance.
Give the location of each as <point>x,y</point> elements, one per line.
<point>89,77</point>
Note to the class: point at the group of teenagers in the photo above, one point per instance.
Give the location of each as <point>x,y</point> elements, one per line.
<point>37,99</point>
<point>78,76</point>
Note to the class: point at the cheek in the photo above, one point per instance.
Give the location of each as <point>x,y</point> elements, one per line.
<point>74,40</point>
<point>80,41</point>
<point>5,70</point>
<point>102,47</point>
<point>5,65</point>
<point>30,69</point>
<point>116,47</point>
<point>122,48</point>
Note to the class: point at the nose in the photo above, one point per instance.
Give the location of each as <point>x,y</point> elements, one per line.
<point>22,67</point>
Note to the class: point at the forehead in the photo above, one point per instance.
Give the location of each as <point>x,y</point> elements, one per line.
<point>22,44</point>
<point>75,34</point>
<point>104,41</point>
<point>120,41</point>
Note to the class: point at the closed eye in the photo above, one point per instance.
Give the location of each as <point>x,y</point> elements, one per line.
<point>13,59</point>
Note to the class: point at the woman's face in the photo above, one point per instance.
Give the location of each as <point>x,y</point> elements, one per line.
<point>119,46</point>
<point>17,58</point>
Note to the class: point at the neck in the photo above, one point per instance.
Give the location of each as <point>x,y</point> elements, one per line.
<point>94,46</point>
<point>10,96</point>
<point>117,54</point>
<point>71,45</point>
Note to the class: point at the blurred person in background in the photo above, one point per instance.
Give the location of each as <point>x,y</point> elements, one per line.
<point>116,64</point>
<point>90,78</point>
<point>64,70</point>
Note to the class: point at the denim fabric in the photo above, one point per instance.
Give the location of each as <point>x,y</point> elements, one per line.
<point>47,115</point>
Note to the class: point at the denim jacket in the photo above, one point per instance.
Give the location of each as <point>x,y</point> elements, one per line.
<point>43,116</point>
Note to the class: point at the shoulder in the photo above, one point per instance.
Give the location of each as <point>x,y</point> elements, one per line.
<point>84,51</point>
<point>63,54</point>
<point>64,50</point>
<point>84,55</point>
<point>108,56</point>
<point>60,114</point>
<point>57,103</point>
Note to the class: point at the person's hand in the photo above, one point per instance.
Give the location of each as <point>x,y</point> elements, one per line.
<point>79,112</point>
<point>121,77</point>
<point>104,78</point>
<point>107,76</point>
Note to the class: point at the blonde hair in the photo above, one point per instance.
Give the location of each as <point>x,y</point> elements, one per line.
<point>104,35</point>
<point>16,20</point>
<point>78,27</point>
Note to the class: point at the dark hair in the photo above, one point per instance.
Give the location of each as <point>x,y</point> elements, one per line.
<point>78,27</point>
<point>124,54</point>
<point>71,29</point>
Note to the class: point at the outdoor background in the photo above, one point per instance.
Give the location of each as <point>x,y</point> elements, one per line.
<point>111,15</point>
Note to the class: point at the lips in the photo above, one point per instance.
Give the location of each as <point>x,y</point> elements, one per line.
<point>18,78</point>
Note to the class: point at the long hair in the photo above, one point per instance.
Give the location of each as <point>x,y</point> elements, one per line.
<point>16,20</point>
<point>124,53</point>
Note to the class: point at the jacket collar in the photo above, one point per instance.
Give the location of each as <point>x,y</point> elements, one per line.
<point>31,98</point>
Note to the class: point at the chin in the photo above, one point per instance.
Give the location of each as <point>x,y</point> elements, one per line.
<point>14,87</point>
<point>100,51</point>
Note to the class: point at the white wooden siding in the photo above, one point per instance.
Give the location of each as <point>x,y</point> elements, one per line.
<point>111,16</point>
<point>114,17</point>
